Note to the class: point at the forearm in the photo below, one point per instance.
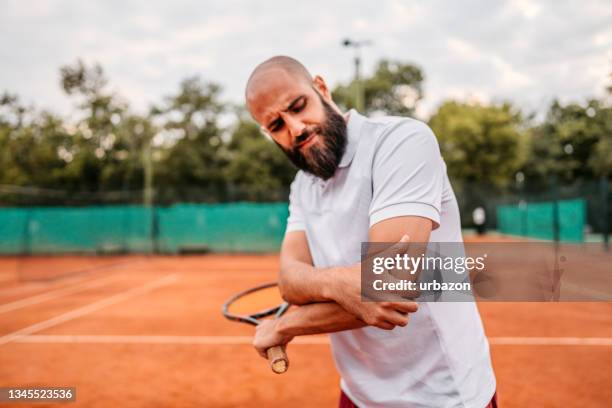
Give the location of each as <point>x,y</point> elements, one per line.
<point>317,318</point>
<point>301,283</point>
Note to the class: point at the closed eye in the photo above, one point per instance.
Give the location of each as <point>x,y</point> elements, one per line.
<point>276,125</point>
<point>298,106</point>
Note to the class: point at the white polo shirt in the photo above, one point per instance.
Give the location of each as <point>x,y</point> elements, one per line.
<point>392,167</point>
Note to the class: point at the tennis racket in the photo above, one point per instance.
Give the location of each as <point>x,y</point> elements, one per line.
<point>253,305</point>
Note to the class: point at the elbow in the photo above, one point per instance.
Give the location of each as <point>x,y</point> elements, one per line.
<point>284,290</point>
<point>288,294</point>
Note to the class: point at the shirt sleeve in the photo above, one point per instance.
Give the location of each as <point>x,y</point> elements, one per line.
<point>407,174</point>
<point>295,221</point>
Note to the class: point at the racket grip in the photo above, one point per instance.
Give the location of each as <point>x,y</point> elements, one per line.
<point>279,363</point>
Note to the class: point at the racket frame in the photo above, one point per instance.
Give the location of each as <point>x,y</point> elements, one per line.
<point>276,355</point>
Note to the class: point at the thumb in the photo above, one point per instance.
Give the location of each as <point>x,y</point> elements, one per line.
<point>398,247</point>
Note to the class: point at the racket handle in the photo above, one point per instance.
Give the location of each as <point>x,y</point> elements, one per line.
<point>278,359</point>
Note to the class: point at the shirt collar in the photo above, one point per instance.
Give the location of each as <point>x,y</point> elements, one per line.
<point>353,130</point>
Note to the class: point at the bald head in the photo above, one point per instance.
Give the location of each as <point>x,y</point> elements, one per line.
<point>276,82</point>
<point>297,111</point>
<point>288,65</point>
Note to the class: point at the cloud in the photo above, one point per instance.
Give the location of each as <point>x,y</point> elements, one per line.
<point>526,51</point>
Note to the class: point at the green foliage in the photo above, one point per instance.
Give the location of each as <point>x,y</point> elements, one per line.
<point>480,144</point>
<point>255,163</point>
<point>395,89</point>
<point>574,142</point>
<point>104,149</point>
<point>190,140</point>
<point>29,144</point>
<point>104,146</point>
<point>601,159</point>
<point>100,155</point>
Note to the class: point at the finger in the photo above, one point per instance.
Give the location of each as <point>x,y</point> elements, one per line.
<point>398,276</point>
<point>261,352</point>
<point>396,318</point>
<point>399,247</point>
<point>404,307</point>
<point>385,325</point>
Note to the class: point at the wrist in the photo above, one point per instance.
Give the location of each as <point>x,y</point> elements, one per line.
<point>283,330</point>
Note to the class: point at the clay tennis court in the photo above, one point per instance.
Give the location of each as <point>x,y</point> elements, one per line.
<point>139,331</point>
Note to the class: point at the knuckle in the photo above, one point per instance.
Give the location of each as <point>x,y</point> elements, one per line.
<point>381,323</point>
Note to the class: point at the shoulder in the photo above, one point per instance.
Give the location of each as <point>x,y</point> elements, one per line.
<point>393,132</point>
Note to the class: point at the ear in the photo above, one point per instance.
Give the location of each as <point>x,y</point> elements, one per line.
<point>321,86</point>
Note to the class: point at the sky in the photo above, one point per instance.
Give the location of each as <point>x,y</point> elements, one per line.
<point>524,51</point>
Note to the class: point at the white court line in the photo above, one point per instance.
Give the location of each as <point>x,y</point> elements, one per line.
<point>551,341</point>
<point>232,340</point>
<point>92,307</point>
<point>137,339</point>
<point>33,300</point>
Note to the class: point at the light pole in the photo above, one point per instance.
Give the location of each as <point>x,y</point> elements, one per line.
<point>148,191</point>
<point>357,88</point>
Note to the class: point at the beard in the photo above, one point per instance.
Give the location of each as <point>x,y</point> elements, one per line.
<point>322,160</point>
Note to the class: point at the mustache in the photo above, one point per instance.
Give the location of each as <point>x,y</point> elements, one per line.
<point>322,158</point>
<point>305,135</point>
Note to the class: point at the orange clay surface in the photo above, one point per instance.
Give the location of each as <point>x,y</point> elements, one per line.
<point>141,331</point>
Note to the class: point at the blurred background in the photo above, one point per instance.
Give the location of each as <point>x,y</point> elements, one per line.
<point>123,129</point>
<point>124,143</point>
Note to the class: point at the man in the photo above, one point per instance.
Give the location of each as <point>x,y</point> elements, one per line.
<point>479,217</point>
<point>378,180</point>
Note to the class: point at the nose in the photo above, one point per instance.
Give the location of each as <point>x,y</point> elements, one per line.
<point>294,126</point>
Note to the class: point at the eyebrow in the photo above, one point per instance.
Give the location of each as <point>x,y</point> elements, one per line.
<point>291,105</point>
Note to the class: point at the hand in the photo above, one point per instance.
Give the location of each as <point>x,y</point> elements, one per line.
<point>384,315</point>
<point>267,336</point>
<point>346,291</point>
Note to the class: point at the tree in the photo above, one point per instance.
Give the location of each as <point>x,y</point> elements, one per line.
<point>191,142</point>
<point>29,145</point>
<point>480,144</point>
<point>256,166</point>
<point>573,143</point>
<point>601,158</point>
<point>394,89</point>
<point>95,159</point>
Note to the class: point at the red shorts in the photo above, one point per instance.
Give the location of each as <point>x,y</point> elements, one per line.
<point>345,402</point>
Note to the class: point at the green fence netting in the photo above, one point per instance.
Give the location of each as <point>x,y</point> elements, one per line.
<point>538,220</point>
<point>244,227</point>
<point>235,227</point>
